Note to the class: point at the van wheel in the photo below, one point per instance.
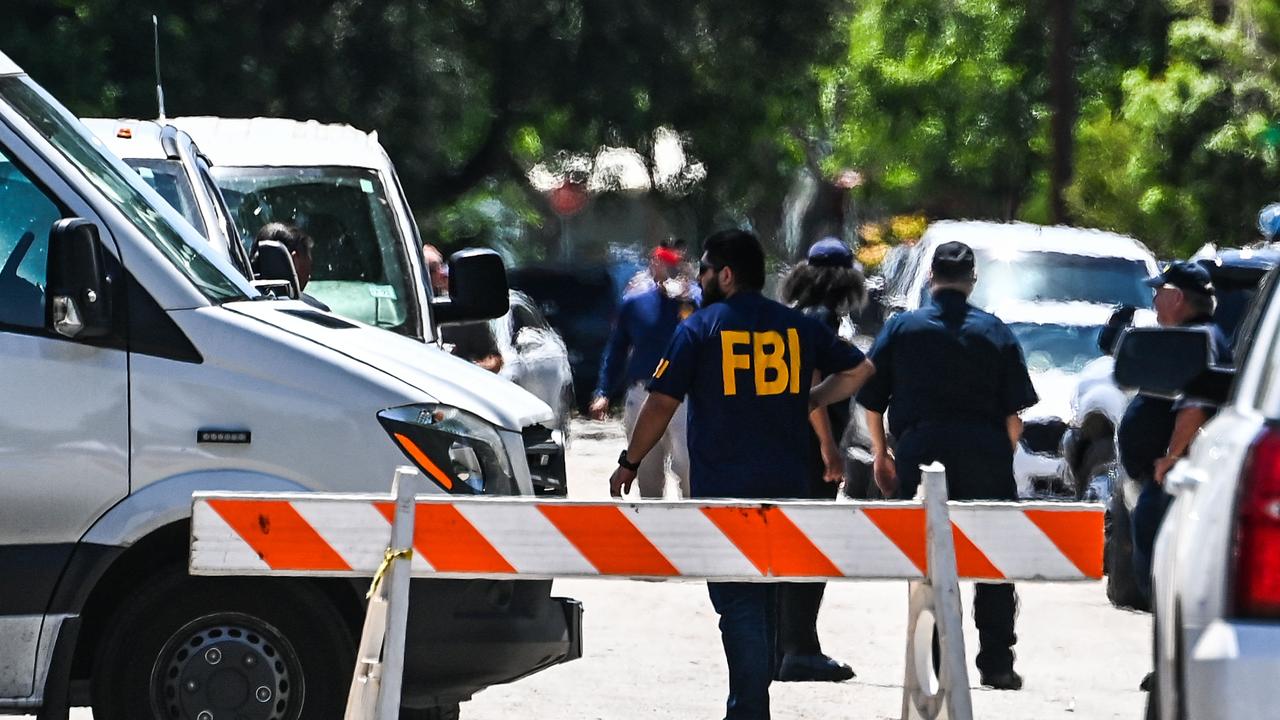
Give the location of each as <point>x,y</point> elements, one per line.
<point>1122,580</point>
<point>439,712</point>
<point>191,648</point>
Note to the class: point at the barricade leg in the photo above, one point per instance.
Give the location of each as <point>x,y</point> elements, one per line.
<point>935,605</point>
<point>376,683</point>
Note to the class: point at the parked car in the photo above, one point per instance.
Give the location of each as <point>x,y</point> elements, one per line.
<point>1055,286</point>
<point>1216,578</point>
<point>141,366</point>
<point>581,304</point>
<point>1088,446</point>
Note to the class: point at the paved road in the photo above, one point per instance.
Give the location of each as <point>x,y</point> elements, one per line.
<point>652,650</point>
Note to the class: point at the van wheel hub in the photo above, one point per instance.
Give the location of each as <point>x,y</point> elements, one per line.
<point>228,666</point>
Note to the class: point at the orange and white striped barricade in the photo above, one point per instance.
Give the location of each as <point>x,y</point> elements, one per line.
<point>315,534</point>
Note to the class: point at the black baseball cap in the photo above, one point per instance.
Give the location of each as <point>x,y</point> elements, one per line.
<point>1184,275</point>
<point>952,260</point>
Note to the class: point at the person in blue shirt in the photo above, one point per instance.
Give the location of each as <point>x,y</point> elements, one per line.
<point>1155,432</point>
<point>746,365</point>
<point>646,321</point>
<point>952,380</point>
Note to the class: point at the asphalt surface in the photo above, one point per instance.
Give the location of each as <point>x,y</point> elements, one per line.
<point>652,650</point>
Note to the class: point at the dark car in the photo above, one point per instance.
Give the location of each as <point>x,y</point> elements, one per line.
<point>581,304</point>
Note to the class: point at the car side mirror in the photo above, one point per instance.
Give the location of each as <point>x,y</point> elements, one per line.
<point>273,264</point>
<point>477,288</point>
<point>79,289</point>
<point>1171,362</point>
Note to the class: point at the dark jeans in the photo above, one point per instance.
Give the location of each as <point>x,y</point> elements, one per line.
<point>979,465</point>
<point>748,629</point>
<point>1145,519</point>
<point>798,605</point>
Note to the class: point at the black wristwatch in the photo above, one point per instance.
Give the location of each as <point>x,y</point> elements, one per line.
<point>624,462</point>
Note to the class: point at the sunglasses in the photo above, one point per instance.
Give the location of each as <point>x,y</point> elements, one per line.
<point>704,266</point>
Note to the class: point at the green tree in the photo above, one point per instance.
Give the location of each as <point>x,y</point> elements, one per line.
<point>464,93</point>
<point>1188,154</point>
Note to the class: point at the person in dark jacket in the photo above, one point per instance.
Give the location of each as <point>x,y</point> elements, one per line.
<point>826,287</point>
<point>1155,432</point>
<point>952,380</point>
<point>646,320</point>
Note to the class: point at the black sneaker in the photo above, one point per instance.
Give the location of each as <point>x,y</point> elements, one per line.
<point>1002,680</point>
<point>813,668</point>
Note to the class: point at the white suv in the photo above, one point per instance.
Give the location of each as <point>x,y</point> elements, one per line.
<point>1216,570</point>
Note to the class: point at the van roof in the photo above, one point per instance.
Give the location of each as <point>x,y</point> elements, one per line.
<point>280,142</point>
<point>142,139</point>
<point>1035,238</point>
<point>7,66</point>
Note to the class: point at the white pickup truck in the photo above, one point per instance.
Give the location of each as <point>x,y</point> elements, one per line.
<point>140,366</point>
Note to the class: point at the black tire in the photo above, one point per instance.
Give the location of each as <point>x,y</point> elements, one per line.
<point>1098,454</point>
<point>439,712</point>
<point>1122,581</point>
<point>281,639</point>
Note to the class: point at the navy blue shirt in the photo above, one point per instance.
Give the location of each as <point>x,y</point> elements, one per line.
<point>947,362</point>
<point>1147,426</point>
<point>646,321</point>
<point>746,365</point>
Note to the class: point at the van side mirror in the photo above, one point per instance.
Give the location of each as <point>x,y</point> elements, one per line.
<point>477,288</point>
<point>1171,362</point>
<point>79,290</point>
<point>271,262</point>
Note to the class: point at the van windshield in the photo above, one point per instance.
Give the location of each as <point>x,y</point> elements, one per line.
<point>62,131</point>
<point>1057,277</point>
<point>359,268</point>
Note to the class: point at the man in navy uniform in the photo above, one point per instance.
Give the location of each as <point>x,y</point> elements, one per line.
<point>953,380</point>
<point>746,363</point>
<point>1154,432</point>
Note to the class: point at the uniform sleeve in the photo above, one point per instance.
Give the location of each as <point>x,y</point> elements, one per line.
<point>834,355</point>
<point>674,374</point>
<point>1017,393</point>
<point>875,393</point>
<point>616,352</point>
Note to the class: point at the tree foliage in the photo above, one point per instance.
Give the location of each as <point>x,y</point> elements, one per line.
<point>464,93</point>
<point>1188,154</point>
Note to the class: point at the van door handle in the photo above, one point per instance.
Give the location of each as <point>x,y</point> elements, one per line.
<point>1184,478</point>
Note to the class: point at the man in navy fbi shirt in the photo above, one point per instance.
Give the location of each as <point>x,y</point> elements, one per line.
<point>952,379</point>
<point>746,364</point>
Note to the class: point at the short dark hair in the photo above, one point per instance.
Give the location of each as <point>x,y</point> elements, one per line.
<point>740,250</point>
<point>291,236</point>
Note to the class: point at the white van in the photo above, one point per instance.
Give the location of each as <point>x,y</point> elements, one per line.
<point>139,367</point>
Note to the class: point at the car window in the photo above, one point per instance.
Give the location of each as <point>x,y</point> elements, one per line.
<point>1059,277</point>
<point>26,216</point>
<point>169,179</point>
<point>120,187</point>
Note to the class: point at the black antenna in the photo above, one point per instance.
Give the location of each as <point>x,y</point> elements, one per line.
<point>155,27</point>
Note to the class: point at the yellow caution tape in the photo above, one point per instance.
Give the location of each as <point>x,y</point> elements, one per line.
<point>390,556</point>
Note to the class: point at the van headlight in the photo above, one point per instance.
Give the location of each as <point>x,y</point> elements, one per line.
<point>459,451</point>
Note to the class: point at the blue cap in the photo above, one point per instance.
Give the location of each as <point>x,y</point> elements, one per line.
<point>830,252</point>
<point>1269,221</point>
<point>1184,275</point>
